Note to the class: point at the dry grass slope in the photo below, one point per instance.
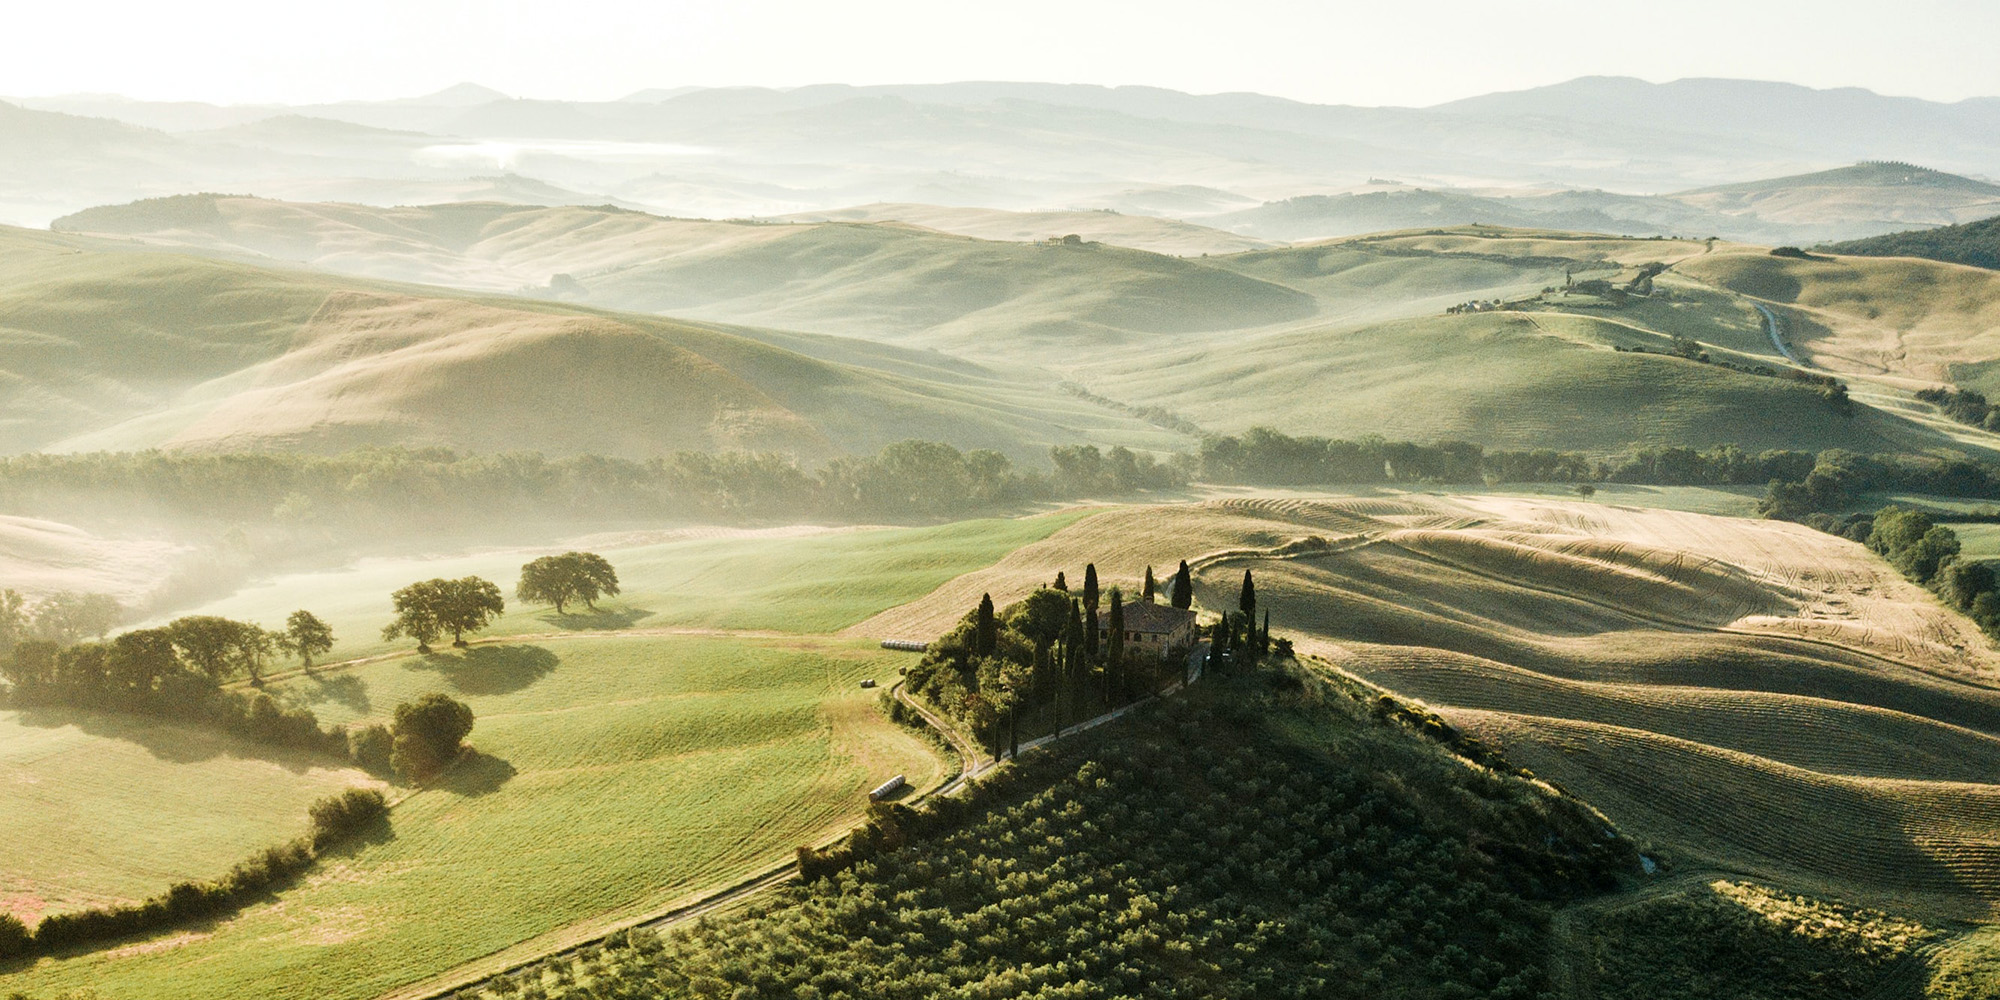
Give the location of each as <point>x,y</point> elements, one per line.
<point>1747,696</point>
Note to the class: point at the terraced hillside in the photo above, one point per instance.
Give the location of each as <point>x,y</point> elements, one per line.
<point>1747,696</point>
<point>110,347</point>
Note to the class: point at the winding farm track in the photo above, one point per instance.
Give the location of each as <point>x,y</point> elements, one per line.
<point>1776,334</point>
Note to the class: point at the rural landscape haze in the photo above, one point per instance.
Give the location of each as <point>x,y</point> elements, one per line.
<point>554,502</point>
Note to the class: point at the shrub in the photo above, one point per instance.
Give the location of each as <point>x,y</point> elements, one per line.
<point>336,816</point>
<point>370,747</point>
<point>14,938</point>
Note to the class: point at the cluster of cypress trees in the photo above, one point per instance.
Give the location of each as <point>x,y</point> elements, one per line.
<point>1057,652</point>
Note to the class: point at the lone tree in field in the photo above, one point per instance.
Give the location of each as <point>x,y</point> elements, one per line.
<point>1183,587</point>
<point>572,576</point>
<point>428,735</point>
<point>305,637</point>
<point>1061,584</point>
<point>427,610</point>
<point>1246,602</point>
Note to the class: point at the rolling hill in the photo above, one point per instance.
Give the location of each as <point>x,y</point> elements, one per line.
<point>1859,200</point>
<point>108,348</point>
<point>1874,195</point>
<point>1194,337</point>
<point>1904,317</point>
<point>884,282</point>
<point>1138,232</point>
<point>1745,696</point>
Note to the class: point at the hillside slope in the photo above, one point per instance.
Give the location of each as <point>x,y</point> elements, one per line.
<point>107,348</point>
<point>1138,232</point>
<point>878,281</point>
<point>1752,696</point>
<point>1976,244</point>
<point>1876,194</point>
<point>1194,337</point>
<point>1893,316</point>
<point>1748,696</point>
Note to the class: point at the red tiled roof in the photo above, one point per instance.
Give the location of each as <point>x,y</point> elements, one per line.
<point>1161,619</point>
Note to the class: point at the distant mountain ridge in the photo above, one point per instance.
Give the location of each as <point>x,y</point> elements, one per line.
<point>747,151</point>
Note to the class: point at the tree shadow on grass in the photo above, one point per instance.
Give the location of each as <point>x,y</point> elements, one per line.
<point>374,833</point>
<point>317,689</point>
<point>599,620</point>
<point>489,669</point>
<point>172,740</point>
<point>476,774</point>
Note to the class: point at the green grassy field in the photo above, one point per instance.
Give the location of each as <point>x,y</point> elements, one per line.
<point>1977,541</point>
<point>621,773</point>
<point>106,808</point>
<point>808,583</point>
<point>612,775</point>
<point>1504,380</point>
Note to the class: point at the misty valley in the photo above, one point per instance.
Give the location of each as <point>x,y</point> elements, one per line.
<point>1034,540</point>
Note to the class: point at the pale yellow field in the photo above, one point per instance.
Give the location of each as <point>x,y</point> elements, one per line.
<point>1744,695</point>
<point>1895,316</point>
<point>1740,695</point>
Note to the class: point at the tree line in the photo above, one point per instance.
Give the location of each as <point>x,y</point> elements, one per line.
<point>1265,456</point>
<point>437,489</point>
<point>433,488</point>
<point>177,670</point>
<point>330,819</point>
<point>1835,479</point>
<point>63,618</point>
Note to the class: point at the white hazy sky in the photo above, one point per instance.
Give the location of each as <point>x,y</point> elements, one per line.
<point>1410,52</point>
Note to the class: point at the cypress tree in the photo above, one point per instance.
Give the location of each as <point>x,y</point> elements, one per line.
<point>1061,584</point>
<point>1114,640</point>
<point>985,630</point>
<point>1247,601</point>
<point>1090,610</point>
<point>1264,636</point>
<point>1073,662</point>
<point>1183,588</point>
<point>1149,585</point>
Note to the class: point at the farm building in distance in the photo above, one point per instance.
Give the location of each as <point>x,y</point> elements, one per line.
<point>1149,627</point>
